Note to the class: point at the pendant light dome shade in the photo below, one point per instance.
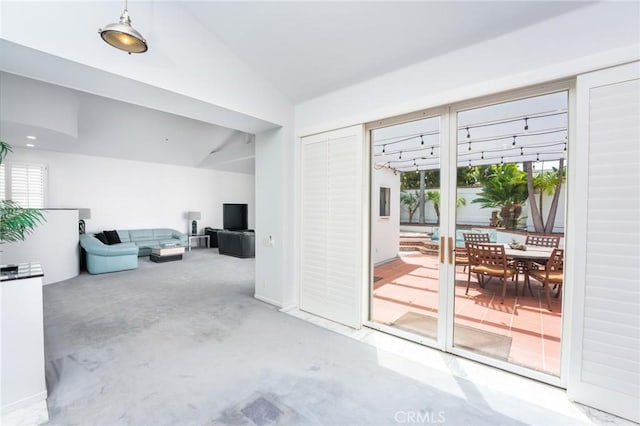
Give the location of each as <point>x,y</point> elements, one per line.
<point>123,36</point>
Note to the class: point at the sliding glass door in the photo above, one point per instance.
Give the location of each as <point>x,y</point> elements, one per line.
<point>491,171</point>
<point>511,169</point>
<point>406,159</point>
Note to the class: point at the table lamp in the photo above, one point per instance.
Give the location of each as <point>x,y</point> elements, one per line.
<point>194,217</point>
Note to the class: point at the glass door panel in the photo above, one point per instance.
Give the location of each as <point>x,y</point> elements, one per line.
<point>405,232</point>
<point>504,151</point>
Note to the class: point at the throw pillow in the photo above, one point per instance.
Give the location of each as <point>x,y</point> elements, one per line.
<point>112,237</point>
<point>102,238</point>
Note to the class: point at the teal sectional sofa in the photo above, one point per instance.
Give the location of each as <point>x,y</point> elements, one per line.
<point>102,258</point>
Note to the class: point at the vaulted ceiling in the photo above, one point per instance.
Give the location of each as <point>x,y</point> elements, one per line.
<point>302,49</point>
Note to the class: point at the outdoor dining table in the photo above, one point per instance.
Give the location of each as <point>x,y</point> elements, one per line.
<point>528,256</point>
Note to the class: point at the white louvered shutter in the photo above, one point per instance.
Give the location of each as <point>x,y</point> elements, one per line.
<point>331,237</point>
<point>605,343</point>
<point>3,193</point>
<point>28,185</point>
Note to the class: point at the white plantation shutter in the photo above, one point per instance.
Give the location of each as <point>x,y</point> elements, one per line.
<point>24,184</point>
<point>2,183</point>
<point>331,237</point>
<point>605,343</point>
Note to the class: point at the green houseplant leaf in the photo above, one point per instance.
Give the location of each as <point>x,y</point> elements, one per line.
<point>16,222</point>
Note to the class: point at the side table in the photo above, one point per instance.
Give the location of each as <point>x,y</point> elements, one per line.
<point>198,238</point>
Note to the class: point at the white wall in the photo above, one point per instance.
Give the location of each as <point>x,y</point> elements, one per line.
<point>385,231</point>
<point>126,194</point>
<point>54,244</point>
<point>274,188</point>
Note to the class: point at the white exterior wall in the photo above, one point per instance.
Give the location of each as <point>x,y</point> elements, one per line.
<point>385,231</point>
<point>473,214</point>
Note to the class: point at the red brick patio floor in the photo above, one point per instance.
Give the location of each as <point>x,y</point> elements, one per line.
<point>410,284</point>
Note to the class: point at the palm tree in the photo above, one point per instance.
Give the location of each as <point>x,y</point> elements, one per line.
<point>548,183</point>
<point>412,201</point>
<point>506,189</point>
<point>434,197</point>
<point>16,222</point>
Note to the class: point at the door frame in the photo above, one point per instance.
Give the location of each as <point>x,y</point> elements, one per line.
<point>448,167</point>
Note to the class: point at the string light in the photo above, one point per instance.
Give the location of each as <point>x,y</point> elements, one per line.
<point>565,146</point>
<point>501,160</point>
<point>537,156</point>
<point>431,150</point>
<point>514,141</point>
<point>521,151</point>
<point>421,140</point>
<point>469,146</point>
<point>468,134</point>
<point>400,156</point>
<point>482,156</point>
<point>383,148</point>
<point>526,124</point>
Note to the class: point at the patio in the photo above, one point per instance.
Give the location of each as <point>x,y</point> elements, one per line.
<point>409,284</point>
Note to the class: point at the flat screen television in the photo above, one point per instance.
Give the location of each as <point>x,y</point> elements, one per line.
<point>234,217</point>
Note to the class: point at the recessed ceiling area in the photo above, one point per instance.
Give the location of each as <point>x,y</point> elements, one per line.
<point>307,49</point>
<point>66,120</point>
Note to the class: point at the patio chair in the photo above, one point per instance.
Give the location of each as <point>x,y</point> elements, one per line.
<point>551,274</point>
<point>475,237</point>
<point>542,241</point>
<point>489,260</point>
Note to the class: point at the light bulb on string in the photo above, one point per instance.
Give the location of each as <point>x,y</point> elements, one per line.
<point>421,140</point>
<point>526,124</point>
<point>469,163</point>
<point>565,146</point>
<point>400,156</point>
<point>482,156</point>
<point>537,156</point>
<point>383,148</point>
<point>469,146</point>
<point>514,141</point>
<point>521,151</point>
<point>501,160</point>
<point>431,150</point>
<point>468,134</point>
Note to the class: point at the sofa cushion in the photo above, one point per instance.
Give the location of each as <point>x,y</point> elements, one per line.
<point>146,243</point>
<point>102,238</point>
<point>112,237</point>
<point>124,236</point>
<point>140,234</point>
<point>162,234</point>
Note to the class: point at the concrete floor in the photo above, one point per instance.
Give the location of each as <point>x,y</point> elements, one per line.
<point>185,343</point>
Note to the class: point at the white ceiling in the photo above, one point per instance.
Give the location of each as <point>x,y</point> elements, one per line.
<point>306,49</point>
<point>66,120</point>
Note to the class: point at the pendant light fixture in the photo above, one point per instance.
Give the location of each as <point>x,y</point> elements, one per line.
<point>123,36</point>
